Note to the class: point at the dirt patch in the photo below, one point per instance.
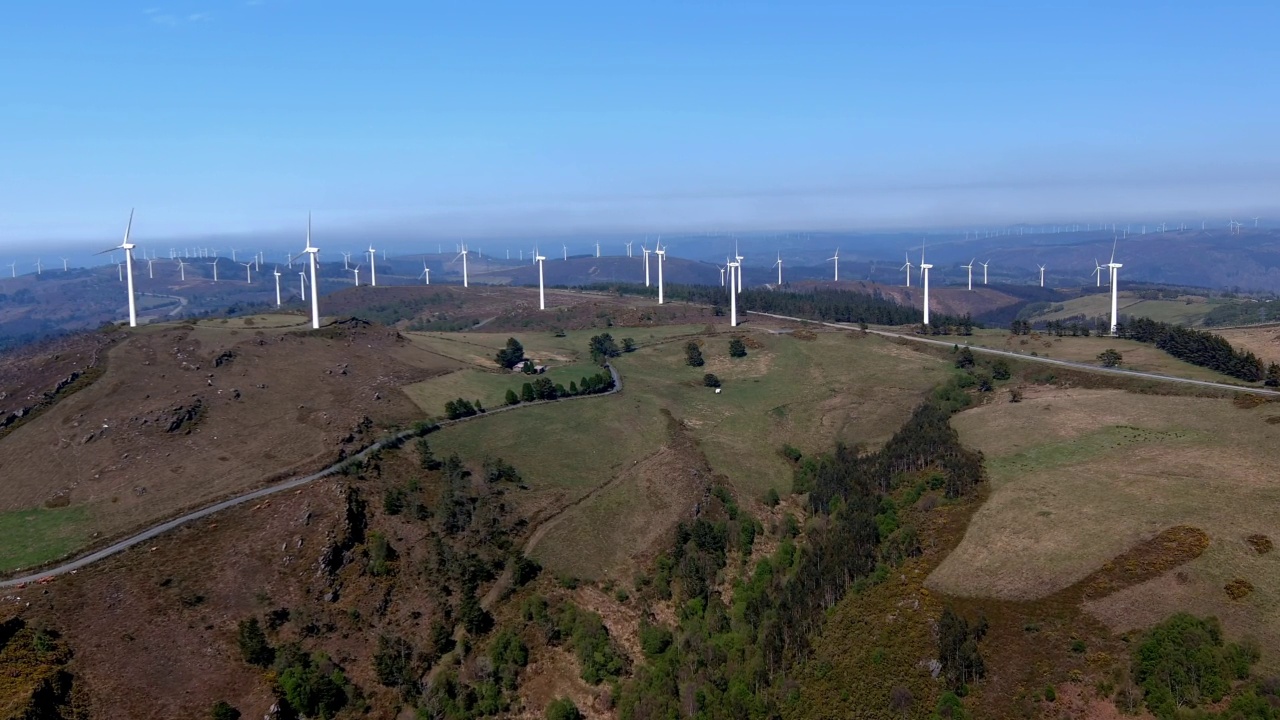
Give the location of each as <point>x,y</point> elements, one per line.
<point>1261,544</point>
<point>1238,589</point>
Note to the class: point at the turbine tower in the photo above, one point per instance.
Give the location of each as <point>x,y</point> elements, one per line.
<point>215,269</point>
<point>646,264</point>
<point>277,274</point>
<point>733,295</point>
<point>565,249</point>
<point>311,251</point>
<point>542,293</point>
<point>128,260</point>
<point>1115,278</point>
<point>722,270</point>
<point>661,254</point>
<point>182,270</point>
<point>779,264</point>
<point>463,255</point>
<point>1041,276</point>
<point>984,270</point>
<point>248,272</point>
<point>969,267</point>
<point>373,266</point>
<point>836,258</point>
<point>1097,271</point>
<point>907,266</point>
<point>924,277</point>
<point>426,273</point>
<point>738,256</point>
<point>356,270</point>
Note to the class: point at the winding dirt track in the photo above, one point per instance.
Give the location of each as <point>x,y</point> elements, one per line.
<point>160,529</point>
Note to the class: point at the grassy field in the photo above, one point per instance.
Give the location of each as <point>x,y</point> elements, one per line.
<point>489,388</point>
<point>1079,476</point>
<point>1189,310</point>
<point>808,393</point>
<point>1137,356</point>
<point>1261,341</point>
<point>34,536</point>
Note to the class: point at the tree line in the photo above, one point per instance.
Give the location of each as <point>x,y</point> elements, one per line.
<point>741,658</point>
<point>1196,347</point>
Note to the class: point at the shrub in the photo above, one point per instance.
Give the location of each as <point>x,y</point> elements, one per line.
<point>710,380</point>
<point>512,398</point>
<point>253,643</point>
<point>1110,358</point>
<point>737,348</point>
<point>563,709</point>
<point>222,710</point>
<point>693,355</point>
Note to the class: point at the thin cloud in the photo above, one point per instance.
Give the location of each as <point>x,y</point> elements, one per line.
<point>159,16</point>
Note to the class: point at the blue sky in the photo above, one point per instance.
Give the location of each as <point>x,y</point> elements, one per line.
<point>227,116</point>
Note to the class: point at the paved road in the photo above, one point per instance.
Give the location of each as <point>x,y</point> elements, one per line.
<point>165,527</point>
<point>1038,359</point>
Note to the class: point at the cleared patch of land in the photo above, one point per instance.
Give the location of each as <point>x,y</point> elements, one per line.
<point>1187,310</point>
<point>1079,476</point>
<point>1138,356</point>
<point>807,393</point>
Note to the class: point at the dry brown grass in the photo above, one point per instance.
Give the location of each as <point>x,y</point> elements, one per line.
<point>1080,476</point>
<point>1261,341</point>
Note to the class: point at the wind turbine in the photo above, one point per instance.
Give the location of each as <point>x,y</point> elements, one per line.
<point>1041,276</point>
<point>542,294</point>
<point>1255,222</point>
<point>182,270</point>
<point>39,267</point>
<point>356,270</point>
<point>13,269</point>
<point>426,272</point>
<point>646,264</point>
<point>836,258</point>
<point>661,254</point>
<point>150,273</point>
<point>907,266</point>
<point>969,267</point>
<point>738,256</point>
<point>302,284</point>
<point>346,260</point>
<point>1115,278</point>
<point>565,248</point>
<point>597,248</point>
<point>1097,271</point>
<point>463,255</point>
<point>629,243</point>
<point>373,266</point>
<point>311,252</point>
<point>119,272</point>
<point>215,269</point>
<point>277,274</point>
<point>248,272</point>
<point>984,270</point>
<point>924,276</point>
<point>722,269</point>
<point>733,294</point>
<point>64,261</point>
<point>128,259</point>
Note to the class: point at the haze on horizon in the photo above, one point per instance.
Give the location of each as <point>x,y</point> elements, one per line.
<point>219,117</point>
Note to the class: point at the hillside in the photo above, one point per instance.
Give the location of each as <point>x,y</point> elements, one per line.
<point>794,540</point>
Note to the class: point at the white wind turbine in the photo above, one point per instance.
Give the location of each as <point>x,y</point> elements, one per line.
<point>373,266</point>
<point>597,248</point>
<point>356,270</point>
<point>924,276</point>
<point>39,267</point>
<point>629,244</point>
<point>463,255</point>
<point>64,262</point>
<point>277,274</point>
<point>346,260</point>
<point>182,270</point>
<point>984,270</point>
<point>661,254</point>
<point>1041,276</point>
<point>1097,271</point>
<point>542,293</point>
<point>248,272</point>
<point>426,273</point>
<point>119,272</point>
<point>311,252</point>
<point>836,258</point>
<point>733,294</point>
<point>128,259</point>
<point>1115,279</point>
<point>565,248</point>
<point>969,267</point>
<point>646,264</point>
<point>150,272</point>
<point>779,264</point>
<point>215,269</point>
<point>738,256</point>
<point>13,269</point>
<point>722,269</point>
<point>907,266</point>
